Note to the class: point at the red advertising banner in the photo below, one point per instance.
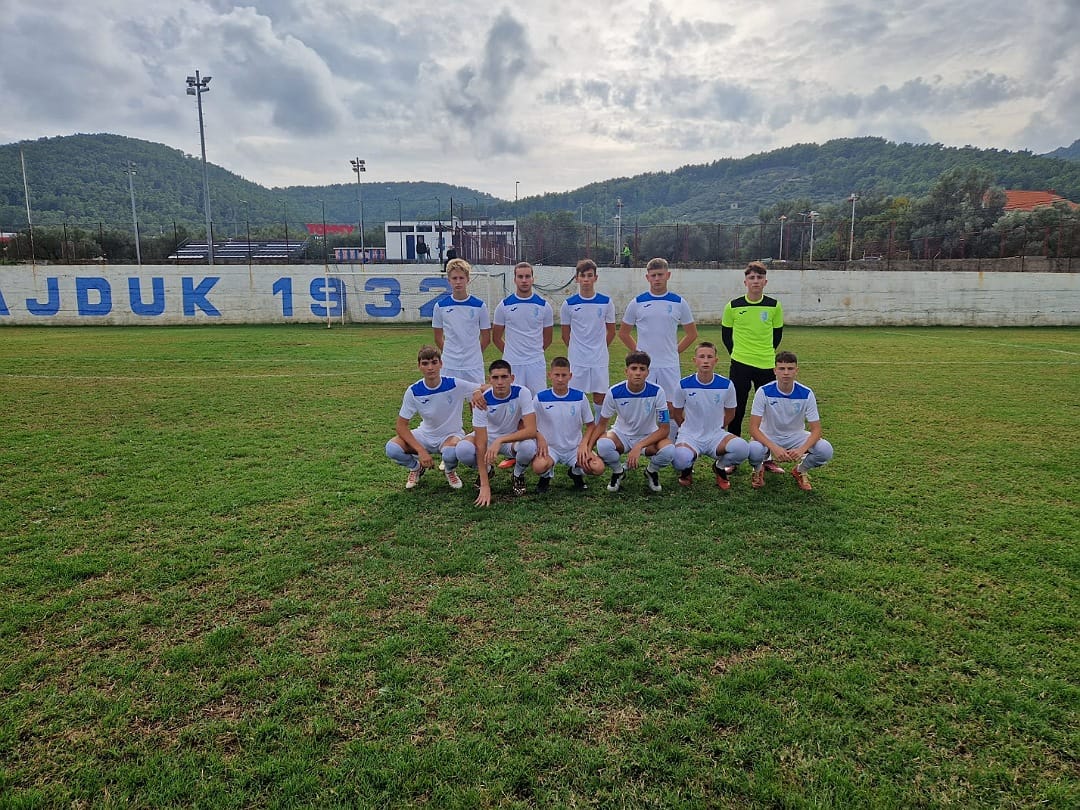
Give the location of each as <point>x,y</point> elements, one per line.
<point>316,228</point>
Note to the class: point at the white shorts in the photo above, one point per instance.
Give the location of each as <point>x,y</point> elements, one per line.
<point>702,445</point>
<point>628,440</point>
<point>433,443</point>
<point>506,449</point>
<point>666,378</point>
<point>532,375</point>
<point>567,458</point>
<point>591,379</point>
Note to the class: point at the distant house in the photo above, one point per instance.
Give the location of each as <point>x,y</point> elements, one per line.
<point>1016,200</point>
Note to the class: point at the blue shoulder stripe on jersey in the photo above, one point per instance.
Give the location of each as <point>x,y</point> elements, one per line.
<point>646,297</point>
<point>491,399</point>
<point>718,383</point>
<point>576,299</point>
<point>512,299</point>
<point>449,301</point>
<point>573,395</point>
<point>420,389</point>
<point>621,391</point>
<point>800,391</point>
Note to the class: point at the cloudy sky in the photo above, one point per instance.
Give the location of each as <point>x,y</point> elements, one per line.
<point>551,93</point>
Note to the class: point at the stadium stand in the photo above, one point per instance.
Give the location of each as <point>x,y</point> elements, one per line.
<point>235,251</point>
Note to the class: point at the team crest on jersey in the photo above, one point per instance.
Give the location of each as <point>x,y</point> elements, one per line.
<point>764,316</point>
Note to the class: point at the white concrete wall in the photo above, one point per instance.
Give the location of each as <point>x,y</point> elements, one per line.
<point>65,295</point>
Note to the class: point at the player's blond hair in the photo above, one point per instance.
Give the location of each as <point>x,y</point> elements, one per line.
<point>459,264</point>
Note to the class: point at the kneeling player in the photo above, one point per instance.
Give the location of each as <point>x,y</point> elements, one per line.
<point>642,425</point>
<point>781,412</point>
<point>505,425</point>
<point>703,405</point>
<point>438,400</point>
<point>561,412</point>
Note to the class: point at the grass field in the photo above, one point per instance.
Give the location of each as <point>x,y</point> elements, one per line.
<point>215,591</point>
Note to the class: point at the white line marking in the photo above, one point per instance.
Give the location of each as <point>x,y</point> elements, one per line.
<point>986,343</point>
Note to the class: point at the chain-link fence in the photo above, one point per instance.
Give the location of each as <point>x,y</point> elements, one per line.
<point>542,241</point>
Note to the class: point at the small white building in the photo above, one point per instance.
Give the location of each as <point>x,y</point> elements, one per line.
<point>479,241</point>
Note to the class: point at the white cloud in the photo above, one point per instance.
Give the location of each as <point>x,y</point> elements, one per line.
<point>555,94</point>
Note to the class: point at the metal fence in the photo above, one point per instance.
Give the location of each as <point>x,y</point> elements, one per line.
<point>682,243</point>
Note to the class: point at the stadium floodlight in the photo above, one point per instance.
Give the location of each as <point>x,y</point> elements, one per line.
<point>359,166</point>
<point>196,86</point>
<point>813,218</point>
<point>851,241</point>
<point>129,170</point>
<point>783,219</point>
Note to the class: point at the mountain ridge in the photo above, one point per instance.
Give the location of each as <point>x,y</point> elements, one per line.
<point>79,179</point>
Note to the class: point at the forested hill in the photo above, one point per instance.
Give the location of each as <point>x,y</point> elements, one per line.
<point>80,179</point>
<point>736,190</point>
<point>1067,152</point>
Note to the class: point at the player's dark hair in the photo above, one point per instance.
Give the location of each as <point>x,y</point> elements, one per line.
<point>428,352</point>
<point>499,364</point>
<point>639,358</point>
<point>756,267</point>
<point>706,345</point>
<point>583,265</point>
<point>560,362</point>
<point>787,357</point>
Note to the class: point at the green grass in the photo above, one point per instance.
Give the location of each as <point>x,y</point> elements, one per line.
<point>215,591</point>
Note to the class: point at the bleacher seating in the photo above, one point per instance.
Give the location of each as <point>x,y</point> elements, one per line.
<point>235,251</point>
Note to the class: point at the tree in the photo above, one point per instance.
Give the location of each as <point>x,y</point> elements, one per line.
<point>963,203</point>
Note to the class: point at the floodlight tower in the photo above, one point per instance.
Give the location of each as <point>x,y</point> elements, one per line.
<point>196,86</point>
<point>359,166</point>
<point>129,170</point>
<point>618,230</point>
<point>851,240</point>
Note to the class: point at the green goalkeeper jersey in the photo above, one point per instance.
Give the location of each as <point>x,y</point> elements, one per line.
<point>752,324</point>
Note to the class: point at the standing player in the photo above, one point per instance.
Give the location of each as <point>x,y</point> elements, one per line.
<point>751,328</point>
<point>438,400</point>
<point>657,315</point>
<point>506,425</point>
<point>462,326</point>
<point>704,404</point>
<point>522,329</point>
<point>588,327</point>
<point>561,412</point>
<point>642,425</point>
<point>779,416</point>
